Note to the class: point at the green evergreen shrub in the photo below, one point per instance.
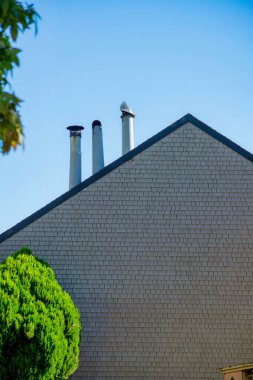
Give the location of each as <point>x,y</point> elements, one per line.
<point>39,324</point>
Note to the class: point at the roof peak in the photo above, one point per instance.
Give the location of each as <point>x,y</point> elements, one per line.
<point>188,118</point>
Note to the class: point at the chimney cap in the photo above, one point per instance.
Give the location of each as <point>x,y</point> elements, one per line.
<point>126,110</point>
<point>75,128</point>
<point>96,123</point>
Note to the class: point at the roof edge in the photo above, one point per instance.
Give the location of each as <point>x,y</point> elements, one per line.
<point>188,118</point>
<point>241,367</point>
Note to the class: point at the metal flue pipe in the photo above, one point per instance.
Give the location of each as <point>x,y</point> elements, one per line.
<point>97,147</point>
<point>127,128</point>
<point>75,169</point>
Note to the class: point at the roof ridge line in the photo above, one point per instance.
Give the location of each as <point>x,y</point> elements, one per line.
<point>188,118</point>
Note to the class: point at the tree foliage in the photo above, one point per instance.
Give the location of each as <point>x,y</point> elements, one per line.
<point>39,324</point>
<point>15,17</point>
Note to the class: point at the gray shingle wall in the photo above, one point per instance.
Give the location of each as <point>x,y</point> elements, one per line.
<point>157,255</point>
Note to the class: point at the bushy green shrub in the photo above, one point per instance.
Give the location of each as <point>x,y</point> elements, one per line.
<point>39,324</point>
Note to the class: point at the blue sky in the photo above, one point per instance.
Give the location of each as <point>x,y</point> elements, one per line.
<point>165,58</point>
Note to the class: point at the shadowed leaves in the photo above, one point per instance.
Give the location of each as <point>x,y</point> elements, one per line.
<point>15,17</point>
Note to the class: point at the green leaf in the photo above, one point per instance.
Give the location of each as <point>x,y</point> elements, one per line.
<point>5,6</point>
<point>14,32</point>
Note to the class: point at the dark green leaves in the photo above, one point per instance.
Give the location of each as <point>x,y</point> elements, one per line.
<point>15,17</point>
<point>17,14</point>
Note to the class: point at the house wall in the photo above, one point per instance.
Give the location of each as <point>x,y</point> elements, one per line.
<point>157,255</point>
<point>233,376</point>
<point>237,375</point>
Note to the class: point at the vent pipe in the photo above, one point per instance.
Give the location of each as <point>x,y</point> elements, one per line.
<point>127,128</point>
<point>97,147</point>
<point>75,155</point>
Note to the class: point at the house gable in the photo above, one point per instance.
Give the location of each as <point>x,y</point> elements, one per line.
<point>157,256</point>
<point>188,118</point>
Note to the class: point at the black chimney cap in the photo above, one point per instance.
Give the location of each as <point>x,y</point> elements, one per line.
<point>96,122</point>
<point>75,128</point>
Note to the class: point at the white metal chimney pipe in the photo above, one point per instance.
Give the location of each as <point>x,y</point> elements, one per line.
<point>75,170</point>
<point>127,128</point>
<point>97,147</point>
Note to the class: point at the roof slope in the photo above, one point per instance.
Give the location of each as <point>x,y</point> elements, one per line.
<point>188,118</point>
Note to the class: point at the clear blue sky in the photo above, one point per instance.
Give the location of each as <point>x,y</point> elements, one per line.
<point>165,58</point>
